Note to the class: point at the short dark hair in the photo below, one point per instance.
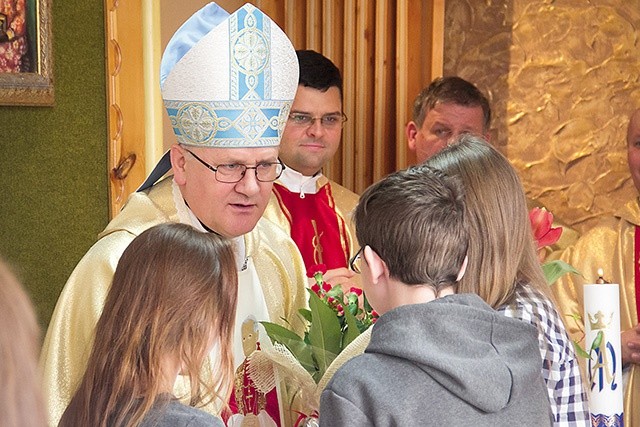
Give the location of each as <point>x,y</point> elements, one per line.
<point>454,90</point>
<point>414,220</point>
<point>317,71</point>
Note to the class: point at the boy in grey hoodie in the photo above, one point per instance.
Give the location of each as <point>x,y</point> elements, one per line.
<point>435,357</point>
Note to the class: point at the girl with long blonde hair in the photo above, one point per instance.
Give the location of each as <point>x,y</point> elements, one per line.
<point>503,267</point>
<point>172,299</point>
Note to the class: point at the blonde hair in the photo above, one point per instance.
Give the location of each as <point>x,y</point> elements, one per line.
<point>502,252</point>
<point>21,401</point>
<point>174,290</point>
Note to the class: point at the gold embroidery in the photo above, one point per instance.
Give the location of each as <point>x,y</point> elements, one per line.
<point>317,246</point>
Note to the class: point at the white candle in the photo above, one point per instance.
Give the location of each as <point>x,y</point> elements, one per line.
<point>602,342</point>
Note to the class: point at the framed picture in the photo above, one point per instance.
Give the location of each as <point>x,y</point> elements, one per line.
<point>26,72</point>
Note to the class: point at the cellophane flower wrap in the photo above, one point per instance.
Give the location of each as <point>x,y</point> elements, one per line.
<point>334,320</point>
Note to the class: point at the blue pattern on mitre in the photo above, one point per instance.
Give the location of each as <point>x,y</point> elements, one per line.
<point>227,81</point>
<point>189,33</point>
<point>235,86</point>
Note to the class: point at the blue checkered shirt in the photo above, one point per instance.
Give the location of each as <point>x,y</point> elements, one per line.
<point>560,368</point>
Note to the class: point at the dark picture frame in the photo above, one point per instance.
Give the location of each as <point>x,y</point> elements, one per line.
<point>30,82</point>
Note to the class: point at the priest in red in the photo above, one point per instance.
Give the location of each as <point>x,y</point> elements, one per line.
<point>314,210</point>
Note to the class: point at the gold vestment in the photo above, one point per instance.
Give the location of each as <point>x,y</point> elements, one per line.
<point>609,246</point>
<point>69,338</point>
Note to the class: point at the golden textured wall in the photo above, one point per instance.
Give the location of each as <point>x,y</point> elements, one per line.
<point>562,78</point>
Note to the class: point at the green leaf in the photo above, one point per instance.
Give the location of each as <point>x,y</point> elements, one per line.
<point>336,292</point>
<point>278,333</point>
<point>324,334</point>
<point>296,345</point>
<point>580,351</point>
<point>353,309</point>
<point>352,330</point>
<point>352,299</point>
<point>597,341</point>
<point>318,278</point>
<point>305,313</point>
<point>553,270</point>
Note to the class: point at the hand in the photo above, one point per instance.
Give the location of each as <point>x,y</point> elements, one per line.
<point>342,276</point>
<point>630,345</point>
<point>338,275</point>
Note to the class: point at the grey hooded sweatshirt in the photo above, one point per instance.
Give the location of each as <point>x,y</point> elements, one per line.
<point>450,362</point>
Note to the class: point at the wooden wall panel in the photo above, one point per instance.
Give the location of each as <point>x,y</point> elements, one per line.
<point>385,50</point>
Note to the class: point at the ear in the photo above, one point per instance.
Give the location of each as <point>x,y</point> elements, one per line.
<point>411,130</point>
<point>463,269</point>
<point>377,266</point>
<point>177,164</point>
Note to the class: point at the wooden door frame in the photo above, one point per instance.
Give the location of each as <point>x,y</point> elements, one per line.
<point>134,111</point>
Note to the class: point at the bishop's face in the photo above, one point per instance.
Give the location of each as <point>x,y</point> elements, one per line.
<point>633,148</point>
<point>230,209</point>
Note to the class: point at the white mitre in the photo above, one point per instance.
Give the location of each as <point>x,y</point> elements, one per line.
<point>227,81</point>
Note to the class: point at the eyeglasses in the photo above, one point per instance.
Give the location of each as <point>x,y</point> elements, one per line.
<point>356,261</point>
<point>328,121</point>
<point>232,173</point>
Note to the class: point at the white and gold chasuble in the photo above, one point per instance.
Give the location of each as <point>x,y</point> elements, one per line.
<point>271,287</point>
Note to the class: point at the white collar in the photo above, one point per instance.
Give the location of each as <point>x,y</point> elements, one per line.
<point>295,182</point>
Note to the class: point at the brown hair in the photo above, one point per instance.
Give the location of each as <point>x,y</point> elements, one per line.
<point>502,251</point>
<point>174,291</point>
<point>414,220</point>
<point>21,401</point>
<point>450,90</point>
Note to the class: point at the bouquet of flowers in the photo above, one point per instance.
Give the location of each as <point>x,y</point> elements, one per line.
<point>334,321</point>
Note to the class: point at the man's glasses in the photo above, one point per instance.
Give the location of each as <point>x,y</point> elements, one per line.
<point>328,121</point>
<point>231,173</point>
<point>356,261</point>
